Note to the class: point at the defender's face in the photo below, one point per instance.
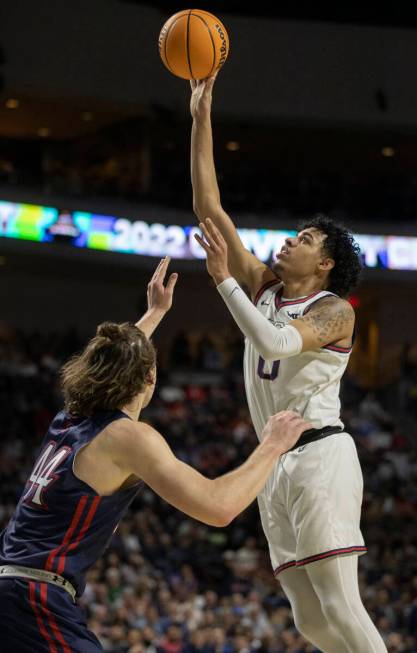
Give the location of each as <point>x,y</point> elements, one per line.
<point>301,255</point>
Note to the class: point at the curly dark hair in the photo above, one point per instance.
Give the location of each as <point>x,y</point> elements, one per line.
<point>340,246</point>
<point>115,365</point>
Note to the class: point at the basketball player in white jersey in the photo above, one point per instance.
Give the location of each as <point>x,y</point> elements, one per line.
<point>298,334</point>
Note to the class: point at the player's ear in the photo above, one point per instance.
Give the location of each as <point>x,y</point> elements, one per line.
<point>150,378</point>
<point>326,264</point>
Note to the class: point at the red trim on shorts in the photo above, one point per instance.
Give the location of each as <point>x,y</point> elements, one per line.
<point>329,554</point>
<point>283,567</point>
<point>51,619</point>
<point>68,535</point>
<point>262,289</point>
<point>319,556</point>
<point>82,532</point>
<point>44,632</point>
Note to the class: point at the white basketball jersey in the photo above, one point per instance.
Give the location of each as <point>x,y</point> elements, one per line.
<point>308,383</point>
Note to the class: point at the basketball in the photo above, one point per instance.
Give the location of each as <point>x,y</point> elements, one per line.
<point>193,44</point>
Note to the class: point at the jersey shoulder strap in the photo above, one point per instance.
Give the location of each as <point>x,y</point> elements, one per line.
<point>302,303</point>
<point>310,301</point>
<point>273,285</point>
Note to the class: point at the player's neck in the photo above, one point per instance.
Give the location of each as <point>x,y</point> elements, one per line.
<point>301,288</point>
<point>133,409</point>
<point>134,415</point>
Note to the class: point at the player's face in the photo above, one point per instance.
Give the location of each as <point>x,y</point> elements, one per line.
<point>301,255</point>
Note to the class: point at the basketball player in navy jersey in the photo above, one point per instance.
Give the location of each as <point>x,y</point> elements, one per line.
<point>298,337</point>
<point>93,461</point>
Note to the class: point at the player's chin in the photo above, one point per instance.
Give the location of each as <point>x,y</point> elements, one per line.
<point>277,268</point>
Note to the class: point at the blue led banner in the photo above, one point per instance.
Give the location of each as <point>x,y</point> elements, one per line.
<point>112,234</point>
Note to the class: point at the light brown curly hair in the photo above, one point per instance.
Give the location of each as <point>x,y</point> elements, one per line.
<point>116,365</point>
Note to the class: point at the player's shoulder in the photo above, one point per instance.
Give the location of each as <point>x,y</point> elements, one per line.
<point>121,431</point>
<point>333,305</point>
<point>125,439</point>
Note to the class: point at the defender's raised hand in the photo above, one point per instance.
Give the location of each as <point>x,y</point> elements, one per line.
<point>216,249</point>
<point>160,296</point>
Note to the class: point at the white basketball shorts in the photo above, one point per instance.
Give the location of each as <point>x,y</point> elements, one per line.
<point>311,504</point>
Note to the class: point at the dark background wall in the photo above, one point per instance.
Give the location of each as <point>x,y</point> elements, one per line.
<point>293,70</point>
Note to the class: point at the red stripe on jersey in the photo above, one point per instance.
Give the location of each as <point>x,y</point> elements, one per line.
<point>262,289</point>
<point>341,350</point>
<point>82,532</point>
<point>279,303</point>
<point>51,619</point>
<point>44,632</point>
<point>68,535</point>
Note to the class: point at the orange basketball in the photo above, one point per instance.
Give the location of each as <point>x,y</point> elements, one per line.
<point>193,44</point>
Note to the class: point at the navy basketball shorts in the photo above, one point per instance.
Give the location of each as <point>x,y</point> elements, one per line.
<point>42,618</point>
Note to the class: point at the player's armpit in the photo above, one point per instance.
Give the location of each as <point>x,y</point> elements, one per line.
<point>138,449</point>
<point>329,321</point>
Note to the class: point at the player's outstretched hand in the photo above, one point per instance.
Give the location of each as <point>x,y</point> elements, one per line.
<point>160,296</point>
<point>284,429</point>
<point>216,249</point>
<point>201,95</point>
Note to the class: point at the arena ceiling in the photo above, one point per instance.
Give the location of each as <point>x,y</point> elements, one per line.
<point>399,14</point>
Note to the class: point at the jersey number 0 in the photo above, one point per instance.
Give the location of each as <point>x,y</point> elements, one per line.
<point>268,376</point>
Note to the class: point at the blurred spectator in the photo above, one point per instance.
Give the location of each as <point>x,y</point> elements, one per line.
<point>168,584</point>
<point>180,351</point>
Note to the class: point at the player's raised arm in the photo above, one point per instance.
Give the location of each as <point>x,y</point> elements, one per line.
<point>206,196</point>
<point>138,449</point>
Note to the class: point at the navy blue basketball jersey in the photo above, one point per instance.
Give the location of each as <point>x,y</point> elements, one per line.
<point>60,523</point>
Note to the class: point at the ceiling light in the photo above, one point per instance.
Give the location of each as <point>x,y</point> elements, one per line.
<point>232,146</point>
<point>388,151</point>
<point>12,103</point>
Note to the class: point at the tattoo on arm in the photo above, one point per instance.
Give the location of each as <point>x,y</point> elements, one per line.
<point>330,319</point>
